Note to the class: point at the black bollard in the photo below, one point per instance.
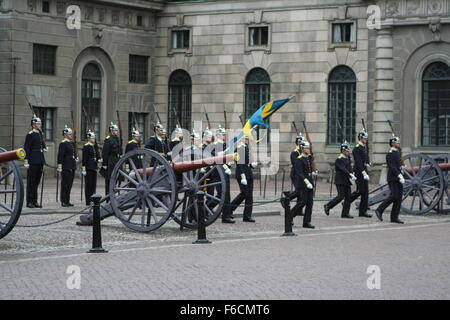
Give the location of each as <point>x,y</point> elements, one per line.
<point>286,202</point>
<point>96,229</point>
<point>201,228</point>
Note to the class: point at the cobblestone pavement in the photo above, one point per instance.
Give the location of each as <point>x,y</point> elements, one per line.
<point>244,260</point>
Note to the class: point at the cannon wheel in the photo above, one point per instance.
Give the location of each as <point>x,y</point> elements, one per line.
<point>424,186</point>
<point>445,158</point>
<point>11,196</point>
<point>150,196</point>
<point>194,181</point>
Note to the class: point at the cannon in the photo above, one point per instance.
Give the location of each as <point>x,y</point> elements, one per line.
<point>427,184</point>
<point>11,196</point>
<point>148,195</point>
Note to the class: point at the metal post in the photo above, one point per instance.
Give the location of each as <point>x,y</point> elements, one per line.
<point>42,185</point>
<point>282,182</point>
<point>276,186</point>
<point>286,203</point>
<point>81,191</point>
<point>201,228</point>
<point>96,229</point>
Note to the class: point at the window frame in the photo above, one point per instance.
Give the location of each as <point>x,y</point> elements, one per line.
<point>351,138</point>
<point>137,68</point>
<point>186,50</point>
<point>425,80</point>
<point>49,6</point>
<point>185,90</point>
<point>352,45</point>
<point>266,48</point>
<point>38,67</point>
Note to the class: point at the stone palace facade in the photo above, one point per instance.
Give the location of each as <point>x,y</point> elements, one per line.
<point>139,56</point>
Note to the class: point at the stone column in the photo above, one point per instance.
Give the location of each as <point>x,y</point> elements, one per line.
<point>383,108</point>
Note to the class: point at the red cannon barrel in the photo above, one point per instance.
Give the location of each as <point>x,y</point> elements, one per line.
<point>444,167</point>
<point>186,166</point>
<point>12,155</point>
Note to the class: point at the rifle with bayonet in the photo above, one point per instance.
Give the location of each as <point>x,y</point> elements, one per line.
<point>91,127</point>
<point>120,133</point>
<point>136,126</point>
<point>242,119</point>
<point>296,130</point>
<point>367,145</point>
<point>402,162</point>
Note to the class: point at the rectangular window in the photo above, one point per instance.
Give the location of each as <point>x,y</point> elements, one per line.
<point>258,36</point>
<point>44,59</point>
<point>137,120</point>
<point>343,32</point>
<point>47,117</point>
<point>140,21</point>
<point>138,72</point>
<point>180,39</point>
<point>46,6</point>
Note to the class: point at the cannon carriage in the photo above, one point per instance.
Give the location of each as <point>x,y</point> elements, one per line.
<point>11,190</point>
<point>427,184</point>
<point>151,193</point>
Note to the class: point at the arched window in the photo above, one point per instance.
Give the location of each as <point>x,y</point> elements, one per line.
<point>180,99</point>
<point>436,105</point>
<point>341,105</point>
<point>257,90</point>
<point>91,96</point>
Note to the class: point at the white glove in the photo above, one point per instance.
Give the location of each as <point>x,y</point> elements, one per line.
<point>366,176</point>
<point>77,160</point>
<point>352,177</point>
<point>401,179</point>
<point>169,154</point>
<point>45,149</point>
<point>243,180</point>
<point>59,168</point>
<point>368,165</point>
<point>127,168</point>
<point>83,172</point>
<point>254,165</point>
<point>402,168</point>
<point>26,165</point>
<point>308,184</point>
<point>227,170</point>
<point>104,167</point>
<point>315,173</point>
<point>100,160</point>
<point>202,170</point>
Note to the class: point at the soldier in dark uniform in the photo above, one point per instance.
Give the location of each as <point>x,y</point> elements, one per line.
<point>297,210</point>
<point>90,166</point>
<point>110,154</point>
<point>395,180</point>
<point>34,161</point>
<point>244,177</point>
<point>67,163</point>
<point>219,146</point>
<point>158,142</point>
<point>303,173</point>
<point>360,157</point>
<point>344,178</point>
<point>134,144</point>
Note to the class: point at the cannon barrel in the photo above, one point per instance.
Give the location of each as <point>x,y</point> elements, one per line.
<point>180,167</point>
<point>185,166</point>
<point>443,166</point>
<point>18,154</point>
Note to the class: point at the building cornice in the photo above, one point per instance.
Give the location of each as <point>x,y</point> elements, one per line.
<point>157,5</point>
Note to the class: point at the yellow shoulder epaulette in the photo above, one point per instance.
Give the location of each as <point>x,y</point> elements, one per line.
<point>131,141</point>
<point>107,137</point>
<point>357,145</point>
<point>30,132</point>
<point>341,156</point>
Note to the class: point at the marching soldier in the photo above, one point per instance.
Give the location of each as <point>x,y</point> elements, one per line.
<point>158,142</point>
<point>219,147</point>
<point>67,163</point>
<point>244,177</point>
<point>360,157</point>
<point>34,160</point>
<point>297,210</point>
<point>304,174</point>
<point>344,178</point>
<point>90,166</point>
<point>134,144</point>
<point>110,154</point>
<point>395,180</point>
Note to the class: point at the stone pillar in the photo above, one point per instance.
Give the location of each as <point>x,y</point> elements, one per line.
<point>383,108</point>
